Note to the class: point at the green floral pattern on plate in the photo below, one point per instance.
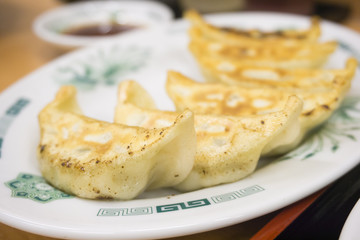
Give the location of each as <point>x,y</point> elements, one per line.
<point>340,126</point>
<point>350,49</point>
<point>35,188</point>
<point>103,67</point>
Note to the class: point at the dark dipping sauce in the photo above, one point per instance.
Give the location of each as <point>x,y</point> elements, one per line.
<point>103,29</point>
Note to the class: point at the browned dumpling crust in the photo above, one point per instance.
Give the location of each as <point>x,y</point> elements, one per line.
<point>222,99</point>
<point>96,159</point>
<point>286,49</point>
<point>234,36</point>
<point>228,148</point>
<point>231,73</point>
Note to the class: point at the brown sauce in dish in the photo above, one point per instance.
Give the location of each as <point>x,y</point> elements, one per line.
<point>103,29</point>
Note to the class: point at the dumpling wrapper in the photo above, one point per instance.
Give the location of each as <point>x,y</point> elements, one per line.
<point>288,49</point>
<point>234,36</point>
<point>96,159</point>
<point>231,73</point>
<point>305,55</point>
<point>222,99</point>
<point>228,148</point>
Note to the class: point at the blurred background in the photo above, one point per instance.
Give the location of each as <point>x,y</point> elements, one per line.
<point>17,16</point>
<point>334,10</point>
<point>19,45</point>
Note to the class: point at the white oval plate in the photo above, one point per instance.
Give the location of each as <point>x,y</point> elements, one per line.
<point>27,203</point>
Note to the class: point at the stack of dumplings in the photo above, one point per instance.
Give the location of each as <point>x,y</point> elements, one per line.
<point>100,160</point>
<point>285,49</point>
<point>250,73</point>
<point>228,147</point>
<point>264,93</point>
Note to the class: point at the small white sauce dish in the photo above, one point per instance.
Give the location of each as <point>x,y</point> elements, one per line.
<point>52,26</point>
<point>351,230</point>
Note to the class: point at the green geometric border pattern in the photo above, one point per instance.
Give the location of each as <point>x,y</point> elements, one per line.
<point>35,188</point>
<point>125,211</point>
<point>116,212</point>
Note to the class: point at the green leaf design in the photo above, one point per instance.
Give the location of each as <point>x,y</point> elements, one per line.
<point>350,49</point>
<point>34,187</point>
<point>342,125</point>
<point>104,67</point>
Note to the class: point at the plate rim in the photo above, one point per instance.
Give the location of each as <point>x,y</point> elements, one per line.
<point>30,226</point>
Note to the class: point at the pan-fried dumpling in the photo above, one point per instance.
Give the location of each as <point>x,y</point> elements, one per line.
<point>228,148</point>
<point>231,73</point>
<point>287,49</point>
<point>222,99</point>
<point>305,55</point>
<point>96,159</point>
<point>239,37</point>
